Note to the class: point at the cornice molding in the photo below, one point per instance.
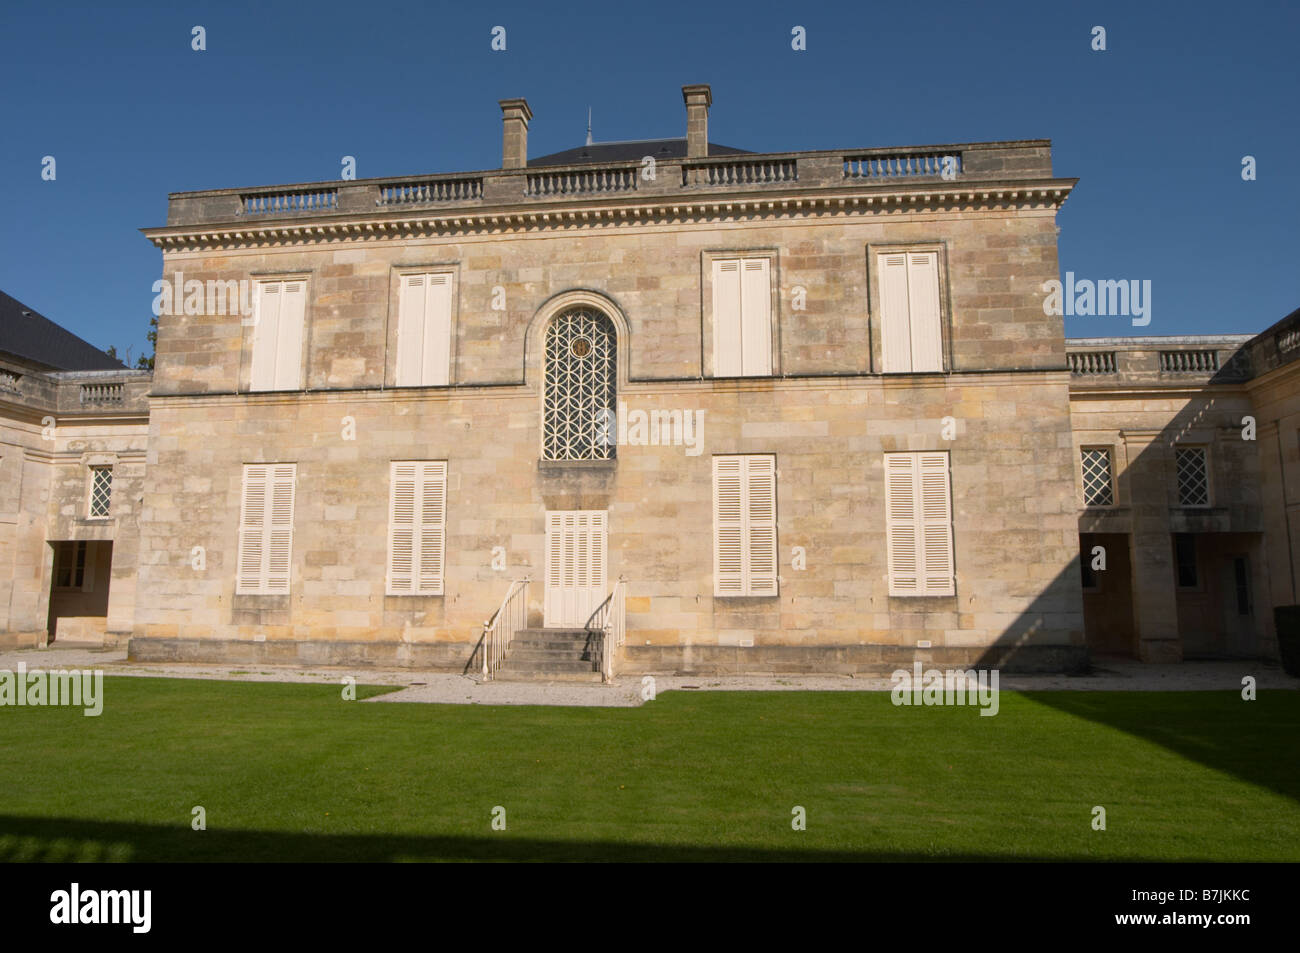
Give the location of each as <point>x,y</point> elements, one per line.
<point>1048,195</point>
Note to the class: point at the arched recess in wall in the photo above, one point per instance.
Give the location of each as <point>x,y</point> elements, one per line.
<point>578,337</point>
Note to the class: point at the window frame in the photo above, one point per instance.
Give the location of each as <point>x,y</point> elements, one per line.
<point>267,584</point>
<point>253,322</point>
<point>393,333</point>
<point>875,303</point>
<point>753,584</point>
<point>418,528</point>
<point>614,386</point>
<point>919,522</point>
<point>1110,473</point>
<point>708,304</point>
<point>1204,449</point>
<point>92,470</point>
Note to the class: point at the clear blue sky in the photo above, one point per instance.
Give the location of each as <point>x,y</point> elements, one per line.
<point>1155,127</point>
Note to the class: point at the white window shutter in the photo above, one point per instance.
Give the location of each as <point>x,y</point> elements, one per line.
<point>279,524</point>
<point>410,330</point>
<point>433,527</point>
<point>266,334</point>
<point>760,524</point>
<point>436,357</point>
<point>728,527</point>
<point>756,317</point>
<point>902,545</point>
<point>924,311</point>
<point>936,523</point>
<point>401,529</point>
<point>554,564</point>
<point>252,523</point>
<point>895,333</point>
<point>417,527</point>
<point>727,357</point>
<point>265,529</point>
<point>288,358</point>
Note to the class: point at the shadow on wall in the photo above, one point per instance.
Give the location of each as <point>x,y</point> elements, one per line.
<point>1210,597</point>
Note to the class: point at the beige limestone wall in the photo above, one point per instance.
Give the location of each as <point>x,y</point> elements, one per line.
<point>658,275</point>
<point>24,497</point>
<point>82,442</point>
<point>1014,513</point>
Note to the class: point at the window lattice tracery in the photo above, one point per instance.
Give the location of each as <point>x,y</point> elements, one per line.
<point>579,369</point>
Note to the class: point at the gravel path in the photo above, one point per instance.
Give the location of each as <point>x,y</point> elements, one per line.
<point>438,687</point>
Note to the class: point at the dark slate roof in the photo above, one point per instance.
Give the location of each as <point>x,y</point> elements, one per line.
<point>32,336</point>
<point>631,151</point>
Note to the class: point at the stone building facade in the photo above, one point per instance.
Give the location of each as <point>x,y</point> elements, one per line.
<point>691,408</point>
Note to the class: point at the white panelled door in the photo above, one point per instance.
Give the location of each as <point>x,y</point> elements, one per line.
<point>575,566</point>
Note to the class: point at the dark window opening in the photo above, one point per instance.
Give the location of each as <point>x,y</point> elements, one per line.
<point>1243,585</point>
<point>1185,551</point>
<point>69,564</point>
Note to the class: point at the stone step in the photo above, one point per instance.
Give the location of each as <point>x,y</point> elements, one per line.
<point>546,665</point>
<point>537,658</point>
<point>557,645</point>
<point>504,675</point>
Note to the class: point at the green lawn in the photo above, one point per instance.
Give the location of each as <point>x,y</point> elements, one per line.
<point>293,772</point>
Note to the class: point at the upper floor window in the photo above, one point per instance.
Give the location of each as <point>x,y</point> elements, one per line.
<point>101,493</point>
<point>742,317</point>
<point>580,373</point>
<point>1193,470</point>
<point>279,310</point>
<point>1098,485</point>
<point>424,330</point>
<point>911,333</point>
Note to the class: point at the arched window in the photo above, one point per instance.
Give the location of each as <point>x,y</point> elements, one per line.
<point>580,374</point>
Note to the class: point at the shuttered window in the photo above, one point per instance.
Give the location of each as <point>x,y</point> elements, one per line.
<point>744,525</point>
<point>424,331</point>
<point>918,519</point>
<point>417,527</point>
<point>742,317</point>
<point>280,308</point>
<point>911,339</point>
<point>266,529</point>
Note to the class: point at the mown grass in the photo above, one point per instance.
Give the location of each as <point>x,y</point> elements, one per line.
<point>293,772</point>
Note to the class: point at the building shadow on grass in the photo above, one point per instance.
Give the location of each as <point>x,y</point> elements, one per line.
<point>1185,579</point>
<point>62,840</point>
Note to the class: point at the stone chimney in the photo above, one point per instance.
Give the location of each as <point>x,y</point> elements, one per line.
<point>514,143</point>
<point>698,100</point>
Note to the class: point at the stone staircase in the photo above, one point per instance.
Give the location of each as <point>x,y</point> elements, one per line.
<point>552,655</point>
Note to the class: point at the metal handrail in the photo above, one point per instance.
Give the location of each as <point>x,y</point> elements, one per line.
<point>611,621</point>
<point>499,631</point>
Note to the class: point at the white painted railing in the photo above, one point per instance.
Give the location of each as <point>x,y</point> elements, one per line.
<point>611,621</point>
<point>499,631</point>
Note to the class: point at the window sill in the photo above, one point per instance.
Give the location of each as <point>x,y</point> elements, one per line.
<point>610,464</point>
